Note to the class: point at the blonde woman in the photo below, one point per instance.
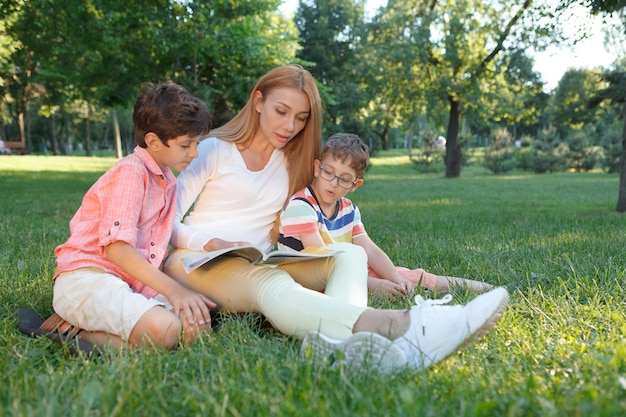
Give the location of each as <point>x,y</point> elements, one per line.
<point>232,195</point>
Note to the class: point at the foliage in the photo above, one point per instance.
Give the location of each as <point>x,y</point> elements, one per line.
<point>525,154</point>
<point>611,141</point>
<point>101,51</point>
<point>581,155</point>
<point>570,102</point>
<point>454,49</point>
<point>430,153</point>
<point>549,152</point>
<point>330,39</point>
<point>462,67</point>
<point>500,155</point>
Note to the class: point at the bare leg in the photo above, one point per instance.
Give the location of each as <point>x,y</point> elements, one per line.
<point>437,282</point>
<point>388,323</point>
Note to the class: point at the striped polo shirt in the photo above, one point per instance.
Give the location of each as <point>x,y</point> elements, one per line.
<point>302,215</point>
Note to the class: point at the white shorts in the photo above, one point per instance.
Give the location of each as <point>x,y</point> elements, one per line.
<point>95,300</point>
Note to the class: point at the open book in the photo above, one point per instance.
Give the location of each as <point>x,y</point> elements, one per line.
<point>254,255</point>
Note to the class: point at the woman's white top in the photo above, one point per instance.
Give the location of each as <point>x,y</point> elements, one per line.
<point>229,201</point>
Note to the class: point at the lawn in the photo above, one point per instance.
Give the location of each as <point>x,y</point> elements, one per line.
<point>555,241</point>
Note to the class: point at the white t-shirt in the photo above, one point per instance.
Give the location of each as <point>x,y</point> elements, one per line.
<point>231,202</point>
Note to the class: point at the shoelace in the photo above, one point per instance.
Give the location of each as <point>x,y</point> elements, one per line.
<point>419,301</point>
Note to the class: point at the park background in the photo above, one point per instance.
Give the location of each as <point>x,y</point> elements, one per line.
<point>70,71</point>
<point>401,74</point>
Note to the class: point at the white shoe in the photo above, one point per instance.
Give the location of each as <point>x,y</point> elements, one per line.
<point>437,330</point>
<point>363,350</point>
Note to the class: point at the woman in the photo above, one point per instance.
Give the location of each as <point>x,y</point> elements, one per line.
<point>231,195</point>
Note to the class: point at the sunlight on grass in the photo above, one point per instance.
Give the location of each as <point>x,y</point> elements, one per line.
<point>413,204</point>
<point>390,160</point>
<point>55,163</point>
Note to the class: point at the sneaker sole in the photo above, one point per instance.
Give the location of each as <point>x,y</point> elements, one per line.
<point>490,322</point>
<point>362,351</point>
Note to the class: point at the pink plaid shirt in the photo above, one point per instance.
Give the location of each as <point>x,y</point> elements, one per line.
<point>133,202</point>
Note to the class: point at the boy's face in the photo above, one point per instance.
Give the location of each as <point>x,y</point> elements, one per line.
<point>334,179</point>
<point>177,156</point>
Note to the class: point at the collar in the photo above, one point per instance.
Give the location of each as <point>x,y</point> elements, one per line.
<point>151,164</point>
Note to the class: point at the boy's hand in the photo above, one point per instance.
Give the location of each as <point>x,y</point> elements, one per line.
<point>217,244</point>
<point>409,287</point>
<point>191,307</point>
<point>387,288</point>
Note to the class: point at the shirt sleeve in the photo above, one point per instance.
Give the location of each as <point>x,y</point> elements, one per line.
<point>117,203</point>
<point>299,218</point>
<point>190,184</point>
<point>358,229</point>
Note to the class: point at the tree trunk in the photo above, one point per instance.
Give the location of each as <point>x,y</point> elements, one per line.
<point>53,135</point>
<point>454,155</point>
<point>384,138</point>
<point>21,126</point>
<point>621,199</point>
<point>87,132</point>
<point>116,134</point>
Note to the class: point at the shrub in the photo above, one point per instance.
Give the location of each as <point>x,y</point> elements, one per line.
<point>549,153</point>
<point>430,155</point>
<point>500,154</point>
<point>612,145</point>
<point>524,155</point>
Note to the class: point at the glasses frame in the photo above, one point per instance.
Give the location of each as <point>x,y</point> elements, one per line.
<point>330,177</point>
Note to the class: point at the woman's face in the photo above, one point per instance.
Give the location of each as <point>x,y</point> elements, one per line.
<point>283,113</point>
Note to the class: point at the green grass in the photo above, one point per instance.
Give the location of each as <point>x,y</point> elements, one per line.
<point>555,241</point>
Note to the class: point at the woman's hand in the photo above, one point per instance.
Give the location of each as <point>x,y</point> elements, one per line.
<point>217,244</point>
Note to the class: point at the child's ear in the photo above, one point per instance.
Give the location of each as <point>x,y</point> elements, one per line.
<point>316,167</point>
<point>153,142</point>
<point>357,184</point>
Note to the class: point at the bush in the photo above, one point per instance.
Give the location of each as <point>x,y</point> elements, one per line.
<point>500,154</point>
<point>524,155</point>
<point>431,153</point>
<point>549,153</point>
<point>612,155</point>
<point>581,155</point>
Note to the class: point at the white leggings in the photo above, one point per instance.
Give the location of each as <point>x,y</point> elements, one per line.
<point>290,295</point>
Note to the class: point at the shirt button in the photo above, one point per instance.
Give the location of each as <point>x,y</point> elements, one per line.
<point>116,223</point>
<point>152,243</point>
<point>153,256</point>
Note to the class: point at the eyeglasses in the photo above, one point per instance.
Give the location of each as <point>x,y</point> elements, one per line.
<point>346,183</point>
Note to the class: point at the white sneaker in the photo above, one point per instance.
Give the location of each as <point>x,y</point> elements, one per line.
<point>437,330</point>
<point>363,350</point>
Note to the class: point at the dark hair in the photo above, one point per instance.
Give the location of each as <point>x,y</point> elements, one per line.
<point>344,146</point>
<point>169,111</point>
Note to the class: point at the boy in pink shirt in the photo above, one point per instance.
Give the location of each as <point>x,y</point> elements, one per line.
<point>108,284</point>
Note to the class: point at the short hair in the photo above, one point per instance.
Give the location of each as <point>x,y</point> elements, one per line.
<point>169,111</point>
<point>348,147</point>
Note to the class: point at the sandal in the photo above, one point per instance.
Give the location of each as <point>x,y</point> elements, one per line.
<point>56,329</point>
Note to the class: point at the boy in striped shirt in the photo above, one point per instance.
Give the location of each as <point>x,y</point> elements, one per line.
<point>320,214</point>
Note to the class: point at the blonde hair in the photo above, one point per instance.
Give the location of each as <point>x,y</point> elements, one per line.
<point>305,147</point>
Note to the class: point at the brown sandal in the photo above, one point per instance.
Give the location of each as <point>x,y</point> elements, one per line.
<point>55,329</point>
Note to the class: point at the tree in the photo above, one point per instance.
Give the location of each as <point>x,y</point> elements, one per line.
<point>330,37</point>
<point>569,104</point>
<point>98,52</point>
<point>617,84</point>
<point>615,93</point>
<point>18,66</point>
<point>455,46</point>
